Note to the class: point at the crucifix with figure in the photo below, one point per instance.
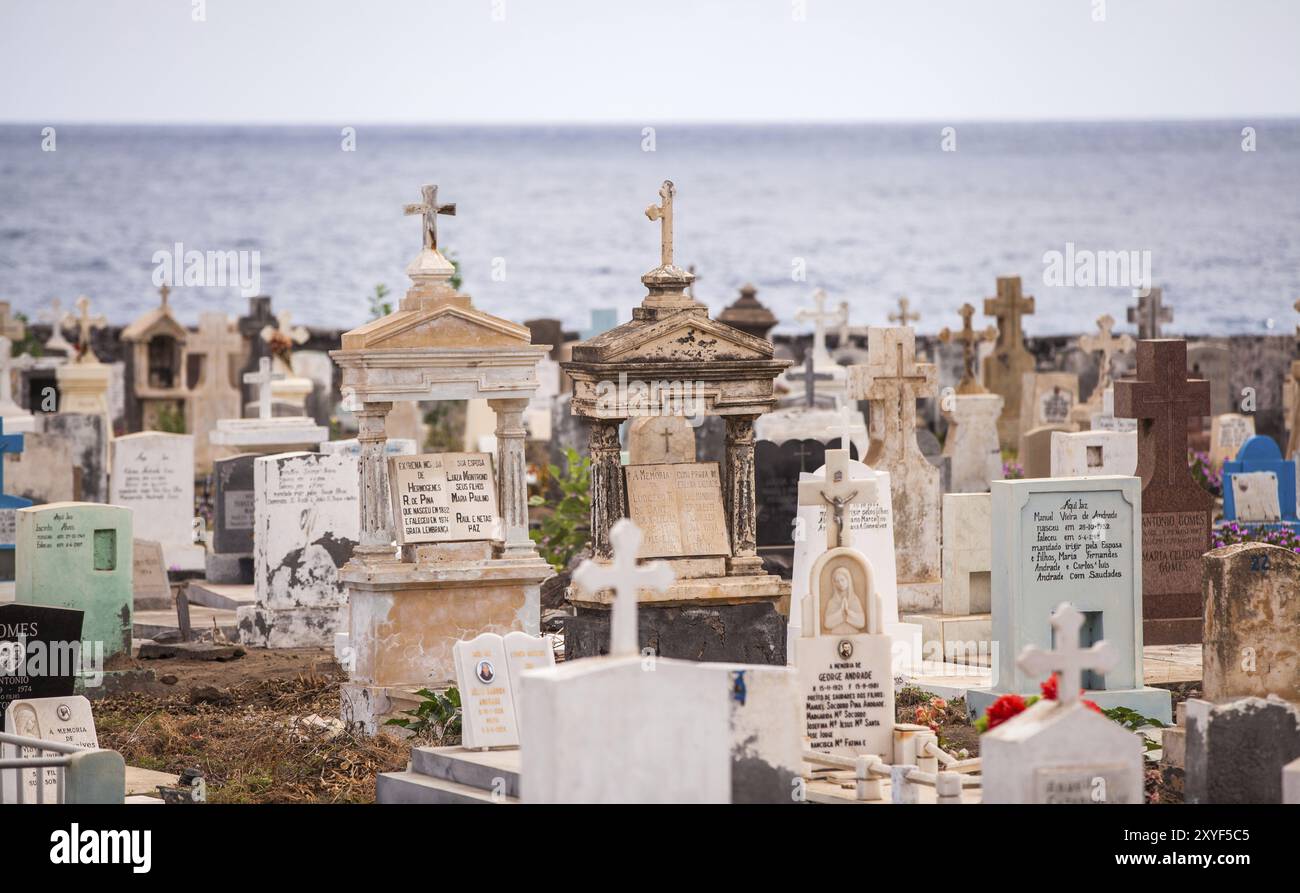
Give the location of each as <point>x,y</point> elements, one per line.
<point>429,209</point>
<point>838,491</point>
<point>969,339</point>
<point>1150,313</point>
<point>1066,657</point>
<point>1107,345</point>
<point>263,378</point>
<point>85,323</point>
<point>626,577</point>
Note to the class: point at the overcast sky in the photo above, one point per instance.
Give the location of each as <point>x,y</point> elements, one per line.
<point>435,61</point>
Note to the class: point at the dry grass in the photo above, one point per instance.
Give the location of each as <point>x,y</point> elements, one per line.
<point>263,741</point>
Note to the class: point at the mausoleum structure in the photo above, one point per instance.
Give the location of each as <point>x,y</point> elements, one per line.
<point>407,610</point>
<point>155,368</point>
<point>672,359</point>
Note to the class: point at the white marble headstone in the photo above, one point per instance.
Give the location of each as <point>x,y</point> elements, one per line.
<point>65,720</point>
<point>486,694</point>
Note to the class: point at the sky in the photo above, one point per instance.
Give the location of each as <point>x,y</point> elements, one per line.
<point>346,62</point>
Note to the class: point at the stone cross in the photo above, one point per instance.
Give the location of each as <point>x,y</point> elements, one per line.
<point>626,578</point>
<point>10,327</point>
<point>903,317</point>
<point>1150,313</point>
<point>845,426</point>
<point>9,443</point>
<point>263,378</point>
<point>1008,307</point>
<point>1067,658</point>
<point>85,323</point>
<point>837,492</point>
<point>819,317</point>
<point>429,209</point>
<point>163,291</point>
<point>969,340</point>
<point>54,315</point>
<point>895,381</point>
<point>1107,345</point>
<point>1162,398</point>
<point>810,379</point>
<point>663,212</point>
<point>285,328</point>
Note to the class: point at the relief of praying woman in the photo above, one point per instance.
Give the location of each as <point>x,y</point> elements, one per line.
<point>844,615</point>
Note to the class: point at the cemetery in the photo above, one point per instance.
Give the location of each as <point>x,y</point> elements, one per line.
<point>855,498</point>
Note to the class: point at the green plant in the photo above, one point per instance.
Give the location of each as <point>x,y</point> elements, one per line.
<point>436,719</point>
<point>29,343</point>
<point>170,419</point>
<point>378,306</point>
<point>1136,722</point>
<point>564,532</point>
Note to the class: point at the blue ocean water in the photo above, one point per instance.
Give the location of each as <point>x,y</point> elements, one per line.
<point>871,212</point>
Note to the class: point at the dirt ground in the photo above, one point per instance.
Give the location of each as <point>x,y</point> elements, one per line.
<point>263,728</point>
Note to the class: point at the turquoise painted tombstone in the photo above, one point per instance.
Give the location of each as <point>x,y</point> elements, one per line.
<point>9,443</point>
<point>79,555</point>
<point>1261,453</point>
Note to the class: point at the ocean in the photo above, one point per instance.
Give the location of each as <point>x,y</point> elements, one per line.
<point>550,220</point>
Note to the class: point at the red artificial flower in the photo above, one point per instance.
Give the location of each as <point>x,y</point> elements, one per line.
<point>1091,705</point>
<point>1003,709</point>
<point>1049,687</point>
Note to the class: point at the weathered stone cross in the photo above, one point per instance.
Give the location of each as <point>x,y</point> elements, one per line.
<point>1162,398</point>
<point>1150,313</point>
<point>837,492</point>
<point>84,323</point>
<point>163,291</point>
<point>10,327</point>
<point>893,380</point>
<point>903,317</point>
<point>263,378</point>
<point>969,340</point>
<point>1107,345</point>
<point>284,328</point>
<point>1008,307</point>
<point>819,317</point>
<point>626,578</point>
<point>810,379</point>
<point>663,212</point>
<point>429,209</point>
<point>1067,658</point>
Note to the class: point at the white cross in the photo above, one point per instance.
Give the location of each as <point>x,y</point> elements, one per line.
<point>284,326</point>
<point>1068,659</point>
<point>625,577</point>
<point>838,491</point>
<point>54,315</point>
<point>845,426</point>
<point>263,378</point>
<point>819,317</point>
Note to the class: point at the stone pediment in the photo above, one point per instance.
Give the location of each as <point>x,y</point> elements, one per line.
<point>154,323</point>
<point>454,324</point>
<point>680,337</point>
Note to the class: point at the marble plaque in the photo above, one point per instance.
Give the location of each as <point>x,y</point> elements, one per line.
<point>848,691</point>
<point>444,497</point>
<point>679,509</point>
<point>1102,783</point>
<point>487,699</point>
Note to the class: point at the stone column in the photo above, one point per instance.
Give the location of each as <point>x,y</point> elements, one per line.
<point>742,511</point>
<point>512,480</point>
<point>608,495</point>
<point>376,518</point>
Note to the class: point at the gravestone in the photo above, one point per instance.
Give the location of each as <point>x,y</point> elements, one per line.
<point>970,341</point>
<point>1047,398</point>
<point>393,446</point>
<point>231,557</point>
<point>1092,453</point>
<point>1076,541</point>
<point>43,472</point>
<point>218,346</point>
<point>1035,453</point>
<point>1272,496</point>
<point>1213,363</point>
<point>63,720</point>
<point>1236,751</point>
<point>87,438</point>
<point>843,655</point>
<point>1105,346</point>
<point>1228,433</point>
<point>306,524</point>
<point>1252,610</point>
<point>40,653</point>
<point>486,696</point>
<point>1003,370</point>
<point>78,555</point>
<point>660,440</point>
<point>679,508</point>
<point>1060,750</point>
<point>150,588</point>
<point>891,382</point>
<point>153,475</point>
<point>1150,313</point>
<point>972,442</point>
<point>443,498</point>
<point>724,733</point>
<point>1105,420</point>
<point>777,470</point>
<point>1176,511</point>
<point>9,505</point>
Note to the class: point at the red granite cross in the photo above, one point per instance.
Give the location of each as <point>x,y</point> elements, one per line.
<point>1162,398</point>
